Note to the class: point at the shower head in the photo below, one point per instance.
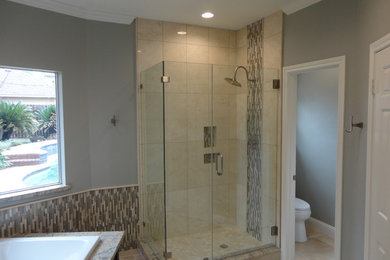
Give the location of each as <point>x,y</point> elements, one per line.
<point>233,82</point>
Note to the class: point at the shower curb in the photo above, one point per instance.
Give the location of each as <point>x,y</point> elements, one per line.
<point>251,254</point>
<point>255,254</point>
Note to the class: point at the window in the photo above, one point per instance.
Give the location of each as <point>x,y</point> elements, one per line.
<point>30,143</point>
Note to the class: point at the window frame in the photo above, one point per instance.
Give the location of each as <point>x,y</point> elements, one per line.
<point>61,184</point>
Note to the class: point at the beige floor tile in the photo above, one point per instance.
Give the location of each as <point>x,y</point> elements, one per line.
<point>197,246</point>
<point>273,256</point>
<point>318,247</point>
<point>327,240</point>
<point>300,257</point>
<point>132,254</point>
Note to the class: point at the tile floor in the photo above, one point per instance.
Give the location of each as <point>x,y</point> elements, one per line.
<point>197,246</point>
<point>318,247</point>
<point>132,254</point>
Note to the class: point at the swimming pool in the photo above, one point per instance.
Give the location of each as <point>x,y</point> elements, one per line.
<point>48,175</point>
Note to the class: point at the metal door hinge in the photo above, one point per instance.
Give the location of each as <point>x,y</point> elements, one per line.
<point>373,87</point>
<point>143,224</point>
<point>209,136</point>
<point>276,84</point>
<point>167,255</point>
<point>141,86</point>
<point>294,177</point>
<point>274,231</point>
<point>165,79</point>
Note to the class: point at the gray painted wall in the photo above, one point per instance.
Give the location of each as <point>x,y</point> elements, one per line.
<point>97,62</point>
<point>333,28</point>
<point>317,142</point>
<point>111,90</point>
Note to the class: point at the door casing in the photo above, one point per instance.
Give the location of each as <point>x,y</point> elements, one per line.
<point>289,121</point>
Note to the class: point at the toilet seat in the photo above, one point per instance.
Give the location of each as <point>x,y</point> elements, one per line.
<point>301,205</point>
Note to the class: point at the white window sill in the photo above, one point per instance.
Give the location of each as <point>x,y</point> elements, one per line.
<point>15,196</point>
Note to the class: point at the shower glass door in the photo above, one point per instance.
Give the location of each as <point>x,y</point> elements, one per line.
<point>152,161</point>
<point>229,176</point>
<point>188,160</point>
<point>209,183</point>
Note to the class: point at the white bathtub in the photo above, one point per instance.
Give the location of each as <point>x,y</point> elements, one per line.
<point>48,248</point>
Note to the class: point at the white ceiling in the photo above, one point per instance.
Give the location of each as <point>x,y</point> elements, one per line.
<point>229,14</point>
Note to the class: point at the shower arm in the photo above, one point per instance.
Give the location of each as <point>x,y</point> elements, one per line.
<point>246,71</point>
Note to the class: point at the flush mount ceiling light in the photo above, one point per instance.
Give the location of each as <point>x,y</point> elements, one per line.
<point>207,15</point>
<point>181,33</point>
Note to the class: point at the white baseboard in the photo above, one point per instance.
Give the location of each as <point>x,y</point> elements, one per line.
<point>321,226</point>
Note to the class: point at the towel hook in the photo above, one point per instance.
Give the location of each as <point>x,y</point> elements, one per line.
<point>352,125</point>
<point>114,120</point>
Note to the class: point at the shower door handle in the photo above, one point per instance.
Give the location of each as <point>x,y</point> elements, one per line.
<point>216,164</point>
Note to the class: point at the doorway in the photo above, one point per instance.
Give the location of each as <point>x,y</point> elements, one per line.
<point>298,98</point>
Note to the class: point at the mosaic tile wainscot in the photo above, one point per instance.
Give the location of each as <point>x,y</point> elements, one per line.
<point>111,209</point>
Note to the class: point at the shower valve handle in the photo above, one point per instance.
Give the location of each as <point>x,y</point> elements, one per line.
<point>219,173</point>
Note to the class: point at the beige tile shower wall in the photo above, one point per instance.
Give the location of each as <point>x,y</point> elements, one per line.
<point>188,110</point>
<point>188,104</point>
<point>241,138</point>
<point>271,126</point>
<point>157,41</point>
<point>271,123</point>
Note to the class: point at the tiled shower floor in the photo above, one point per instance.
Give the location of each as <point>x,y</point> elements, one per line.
<point>197,246</point>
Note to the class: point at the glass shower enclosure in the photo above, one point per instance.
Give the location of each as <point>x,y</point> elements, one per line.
<point>208,185</point>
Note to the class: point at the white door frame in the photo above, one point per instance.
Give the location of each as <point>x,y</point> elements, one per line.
<point>289,116</point>
<point>374,48</point>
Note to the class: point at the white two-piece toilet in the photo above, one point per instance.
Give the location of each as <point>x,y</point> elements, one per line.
<point>302,213</point>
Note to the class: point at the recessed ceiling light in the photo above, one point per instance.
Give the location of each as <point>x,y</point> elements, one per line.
<point>207,15</point>
<point>181,33</point>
